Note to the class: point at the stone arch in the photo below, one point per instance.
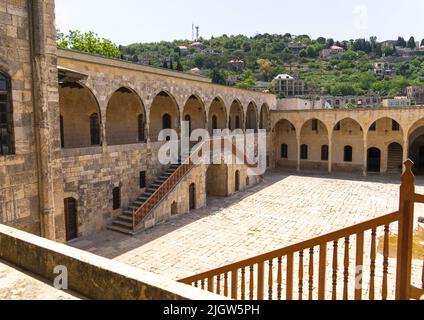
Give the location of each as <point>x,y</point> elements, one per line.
<point>285,147</point>
<point>416,146</point>
<point>164,106</point>
<point>264,118</point>
<point>125,118</point>
<point>348,132</point>
<point>217,115</point>
<point>78,105</point>
<point>314,134</point>
<point>195,113</point>
<point>252,117</point>
<point>379,134</point>
<point>236,120</point>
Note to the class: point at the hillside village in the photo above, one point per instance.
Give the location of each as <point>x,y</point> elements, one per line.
<point>317,68</point>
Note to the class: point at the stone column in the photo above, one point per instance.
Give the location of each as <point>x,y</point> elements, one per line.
<point>330,152</point>
<point>405,148</point>
<point>46,106</point>
<point>365,160</point>
<point>298,150</point>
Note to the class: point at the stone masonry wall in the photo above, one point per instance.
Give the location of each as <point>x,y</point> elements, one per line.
<point>19,200</point>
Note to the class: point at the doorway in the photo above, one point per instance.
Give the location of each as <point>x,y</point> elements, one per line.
<point>237,181</point>
<point>192,196</point>
<point>374,160</point>
<point>71,219</point>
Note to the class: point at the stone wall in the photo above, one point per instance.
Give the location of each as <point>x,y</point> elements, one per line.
<point>25,191</point>
<point>90,175</point>
<point>89,275</point>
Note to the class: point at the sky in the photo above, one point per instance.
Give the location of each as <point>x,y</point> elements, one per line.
<point>130,21</point>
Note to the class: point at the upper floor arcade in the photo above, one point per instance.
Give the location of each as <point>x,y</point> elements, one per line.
<point>107,102</point>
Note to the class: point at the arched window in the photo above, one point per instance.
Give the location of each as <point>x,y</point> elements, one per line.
<point>348,154</point>
<point>214,122</point>
<point>141,128</point>
<point>338,127</point>
<point>373,127</point>
<point>143,180</point>
<point>95,129</point>
<point>116,198</point>
<point>284,151</point>
<point>166,121</point>
<point>395,126</point>
<point>188,119</point>
<point>304,152</point>
<point>315,125</point>
<point>324,153</point>
<point>6,117</point>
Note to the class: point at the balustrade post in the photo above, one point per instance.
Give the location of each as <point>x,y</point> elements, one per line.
<point>405,237</point>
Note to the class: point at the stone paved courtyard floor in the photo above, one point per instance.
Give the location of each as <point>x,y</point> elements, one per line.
<point>285,209</point>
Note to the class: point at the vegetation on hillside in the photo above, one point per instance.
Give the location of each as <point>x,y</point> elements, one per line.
<point>88,42</point>
<point>243,61</point>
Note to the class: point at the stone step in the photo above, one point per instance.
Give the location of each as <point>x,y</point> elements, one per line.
<point>123,224</point>
<point>125,218</point>
<point>124,231</point>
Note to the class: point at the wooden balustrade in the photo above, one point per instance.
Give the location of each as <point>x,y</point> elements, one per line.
<point>317,278</point>
<point>141,213</point>
<point>166,187</point>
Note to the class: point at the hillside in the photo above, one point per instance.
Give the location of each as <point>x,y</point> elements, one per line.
<point>262,57</point>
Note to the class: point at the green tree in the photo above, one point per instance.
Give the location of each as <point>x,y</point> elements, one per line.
<point>401,42</point>
<point>247,82</point>
<point>88,42</point>
<point>179,66</point>
<point>265,67</point>
<point>303,53</point>
<point>218,77</point>
<point>411,43</point>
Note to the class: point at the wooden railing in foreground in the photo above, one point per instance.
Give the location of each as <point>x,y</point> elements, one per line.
<point>359,267</point>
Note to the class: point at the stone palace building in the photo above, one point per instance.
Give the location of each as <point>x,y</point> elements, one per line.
<point>79,134</point>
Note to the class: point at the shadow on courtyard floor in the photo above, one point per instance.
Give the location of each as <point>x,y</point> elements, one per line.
<point>112,245</point>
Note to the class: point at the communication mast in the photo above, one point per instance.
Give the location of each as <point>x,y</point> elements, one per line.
<point>195,32</point>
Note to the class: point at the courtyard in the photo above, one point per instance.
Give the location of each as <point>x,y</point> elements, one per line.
<point>285,209</point>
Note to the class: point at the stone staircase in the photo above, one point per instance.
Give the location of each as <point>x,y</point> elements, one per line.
<point>124,222</point>
<point>394,164</point>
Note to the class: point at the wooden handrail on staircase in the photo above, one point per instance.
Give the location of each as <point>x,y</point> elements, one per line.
<point>262,277</point>
<point>141,213</point>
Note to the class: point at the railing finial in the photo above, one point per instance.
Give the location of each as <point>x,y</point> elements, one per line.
<point>408,177</point>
